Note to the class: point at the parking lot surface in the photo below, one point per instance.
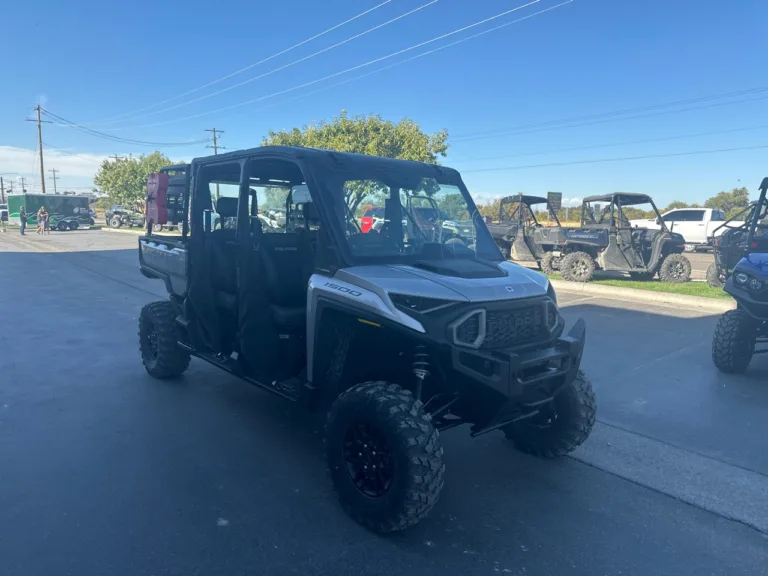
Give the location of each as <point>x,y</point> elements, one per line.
<point>104,470</point>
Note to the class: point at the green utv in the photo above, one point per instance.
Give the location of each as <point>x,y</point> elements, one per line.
<point>397,334</point>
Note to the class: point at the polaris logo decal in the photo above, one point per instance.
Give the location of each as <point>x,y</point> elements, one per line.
<point>343,289</point>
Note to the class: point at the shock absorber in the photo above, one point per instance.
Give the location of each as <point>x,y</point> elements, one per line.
<point>420,367</point>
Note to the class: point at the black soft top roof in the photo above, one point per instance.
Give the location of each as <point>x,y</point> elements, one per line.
<point>326,161</point>
<point>626,198</point>
<point>525,198</point>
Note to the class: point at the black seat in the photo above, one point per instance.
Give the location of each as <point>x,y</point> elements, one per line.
<point>224,255</point>
<point>287,264</point>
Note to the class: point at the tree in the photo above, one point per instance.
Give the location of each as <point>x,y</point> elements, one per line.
<point>365,135</point>
<point>125,180</point>
<point>729,202</point>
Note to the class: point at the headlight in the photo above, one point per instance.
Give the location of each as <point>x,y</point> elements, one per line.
<point>755,284</point>
<point>419,304</point>
<point>741,278</point>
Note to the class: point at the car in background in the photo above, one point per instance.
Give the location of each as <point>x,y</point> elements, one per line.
<point>372,215</point>
<point>118,216</point>
<point>698,226</point>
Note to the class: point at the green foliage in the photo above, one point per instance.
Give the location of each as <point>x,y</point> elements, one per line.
<point>730,202</point>
<point>125,180</point>
<point>366,135</point>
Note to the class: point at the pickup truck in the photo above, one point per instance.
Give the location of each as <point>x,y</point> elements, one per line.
<point>696,225</point>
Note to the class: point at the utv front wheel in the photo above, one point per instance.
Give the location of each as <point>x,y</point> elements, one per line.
<point>549,263</point>
<point>158,341</point>
<point>734,342</point>
<point>561,427</point>
<point>384,455</point>
<point>577,267</point>
<point>115,222</point>
<point>676,269</point>
<point>714,280</point>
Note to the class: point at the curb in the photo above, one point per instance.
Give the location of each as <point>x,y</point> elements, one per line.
<point>645,296</point>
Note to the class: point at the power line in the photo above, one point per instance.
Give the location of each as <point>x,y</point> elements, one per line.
<point>316,36</point>
<point>525,128</point>
<point>621,159</point>
<point>67,153</point>
<point>625,143</point>
<point>114,138</point>
<point>305,58</point>
<point>383,68</point>
<point>370,62</point>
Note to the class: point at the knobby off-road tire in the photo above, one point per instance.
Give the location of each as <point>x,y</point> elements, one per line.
<point>577,267</point>
<point>115,222</point>
<point>734,342</point>
<point>158,341</point>
<point>506,250</point>
<point>565,429</point>
<point>713,278</point>
<point>413,447</point>
<point>549,264</point>
<point>675,269</point>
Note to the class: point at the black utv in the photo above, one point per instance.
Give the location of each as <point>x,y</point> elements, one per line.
<point>397,335</point>
<point>730,245</point>
<point>521,237</point>
<point>739,332</point>
<point>607,241</point>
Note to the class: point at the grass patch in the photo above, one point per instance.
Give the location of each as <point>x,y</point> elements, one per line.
<point>686,288</point>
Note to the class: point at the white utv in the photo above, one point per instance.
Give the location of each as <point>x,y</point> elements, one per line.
<point>397,334</point>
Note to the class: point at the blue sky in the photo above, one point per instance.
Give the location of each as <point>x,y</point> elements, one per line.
<point>98,61</point>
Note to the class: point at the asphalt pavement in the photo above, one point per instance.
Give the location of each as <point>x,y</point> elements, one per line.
<point>104,470</point>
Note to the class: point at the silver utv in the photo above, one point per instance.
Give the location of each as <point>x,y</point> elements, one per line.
<point>397,333</point>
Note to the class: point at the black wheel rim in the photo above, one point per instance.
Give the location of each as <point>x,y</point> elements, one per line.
<point>368,459</point>
<point>150,340</point>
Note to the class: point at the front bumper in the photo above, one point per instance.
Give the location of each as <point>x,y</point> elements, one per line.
<point>526,379</point>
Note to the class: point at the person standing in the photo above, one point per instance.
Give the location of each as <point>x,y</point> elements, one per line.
<point>3,218</point>
<point>41,220</point>
<point>22,220</point>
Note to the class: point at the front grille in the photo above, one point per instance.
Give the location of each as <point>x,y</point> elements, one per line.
<point>515,327</point>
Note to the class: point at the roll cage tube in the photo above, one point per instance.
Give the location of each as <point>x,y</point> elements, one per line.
<point>756,214</point>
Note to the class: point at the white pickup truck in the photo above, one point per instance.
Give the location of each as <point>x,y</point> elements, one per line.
<point>696,225</point>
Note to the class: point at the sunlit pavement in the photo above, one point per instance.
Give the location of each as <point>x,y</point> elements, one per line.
<point>106,471</point>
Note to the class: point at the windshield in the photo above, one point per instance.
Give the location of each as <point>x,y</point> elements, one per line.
<point>431,220</point>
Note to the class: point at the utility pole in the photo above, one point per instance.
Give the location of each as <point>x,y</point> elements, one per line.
<point>216,149</point>
<point>54,178</point>
<point>115,157</point>
<point>2,191</point>
<point>216,140</point>
<point>40,144</point>
<point>23,188</point>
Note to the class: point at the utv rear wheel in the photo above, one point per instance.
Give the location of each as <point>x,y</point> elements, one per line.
<point>734,342</point>
<point>714,280</point>
<point>676,269</point>
<point>560,428</point>
<point>384,455</point>
<point>577,267</point>
<point>158,341</point>
<point>549,263</point>
<point>506,250</point>
<point>115,222</point>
